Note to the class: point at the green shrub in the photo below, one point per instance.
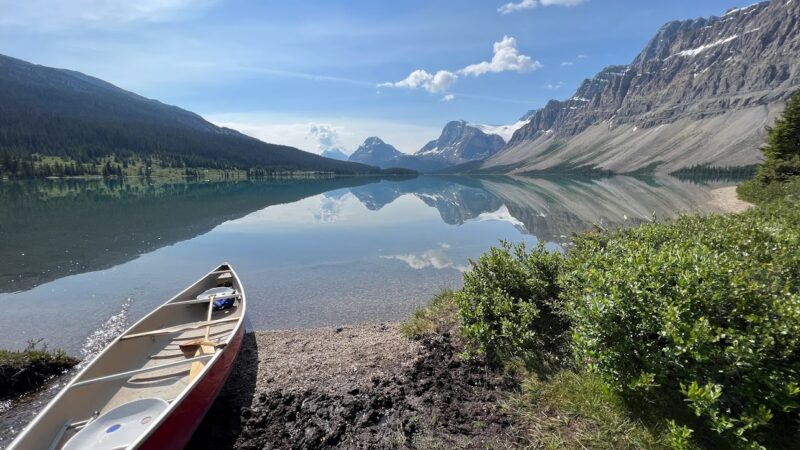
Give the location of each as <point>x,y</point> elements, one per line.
<point>508,306</point>
<point>755,192</point>
<point>705,310</point>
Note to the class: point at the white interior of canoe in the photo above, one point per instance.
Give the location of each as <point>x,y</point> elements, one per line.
<point>145,362</point>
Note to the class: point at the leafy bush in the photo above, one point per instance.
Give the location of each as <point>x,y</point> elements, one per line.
<point>508,306</point>
<point>755,192</point>
<point>706,310</point>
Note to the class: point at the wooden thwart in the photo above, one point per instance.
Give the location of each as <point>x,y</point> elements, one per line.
<point>130,373</point>
<point>202,300</point>
<point>179,329</point>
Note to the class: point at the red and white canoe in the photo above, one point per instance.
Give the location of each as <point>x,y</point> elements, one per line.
<point>151,387</point>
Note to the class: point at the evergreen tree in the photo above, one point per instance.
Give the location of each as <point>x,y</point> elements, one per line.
<point>782,152</point>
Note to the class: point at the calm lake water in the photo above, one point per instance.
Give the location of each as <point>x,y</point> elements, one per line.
<point>81,257</point>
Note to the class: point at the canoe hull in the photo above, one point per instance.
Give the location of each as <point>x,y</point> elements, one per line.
<point>176,431</point>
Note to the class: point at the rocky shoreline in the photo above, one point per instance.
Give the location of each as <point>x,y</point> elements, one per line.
<point>363,386</point>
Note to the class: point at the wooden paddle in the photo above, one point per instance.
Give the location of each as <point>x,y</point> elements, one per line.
<point>201,346</point>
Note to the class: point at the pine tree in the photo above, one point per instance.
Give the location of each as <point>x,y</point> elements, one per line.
<point>782,152</point>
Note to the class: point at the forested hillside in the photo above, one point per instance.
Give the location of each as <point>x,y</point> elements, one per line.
<point>94,127</point>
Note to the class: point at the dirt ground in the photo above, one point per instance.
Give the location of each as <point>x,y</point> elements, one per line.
<point>364,386</point>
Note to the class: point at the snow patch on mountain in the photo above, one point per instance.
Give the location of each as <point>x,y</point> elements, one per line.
<point>504,131</point>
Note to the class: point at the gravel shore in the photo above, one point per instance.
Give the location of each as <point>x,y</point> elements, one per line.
<point>726,200</point>
<point>363,386</point>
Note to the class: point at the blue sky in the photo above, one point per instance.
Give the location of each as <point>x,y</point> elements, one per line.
<point>331,73</point>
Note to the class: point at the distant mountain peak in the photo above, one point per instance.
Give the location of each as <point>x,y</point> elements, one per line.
<point>335,153</point>
<point>375,152</point>
<point>459,143</point>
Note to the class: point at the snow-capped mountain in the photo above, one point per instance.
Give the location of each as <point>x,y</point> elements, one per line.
<point>335,153</point>
<point>459,143</point>
<point>375,152</point>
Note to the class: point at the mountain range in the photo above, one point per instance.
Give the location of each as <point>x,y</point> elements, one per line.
<point>459,143</point>
<point>702,92</point>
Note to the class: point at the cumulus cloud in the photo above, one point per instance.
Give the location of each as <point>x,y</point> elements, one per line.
<point>324,135</point>
<point>434,83</point>
<point>511,7</point>
<point>506,58</point>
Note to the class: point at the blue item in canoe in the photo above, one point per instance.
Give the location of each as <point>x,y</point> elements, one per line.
<point>224,297</point>
<point>223,303</point>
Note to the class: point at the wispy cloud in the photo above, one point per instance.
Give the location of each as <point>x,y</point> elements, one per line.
<point>567,63</point>
<point>554,86</point>
<point>512,7</point>
<point>301,75</point>
<point>57,15</point>
<point>506,58</point>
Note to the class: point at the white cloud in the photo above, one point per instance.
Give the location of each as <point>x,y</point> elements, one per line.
<point>554,86</point>
<point>582,56</point>
<point>61,14</point>
<point>506,58</point>
<point>511,7</point>
<point>434,83</point>
<point>567,63</point>
<point>435,257</point>
<point>324,135</point>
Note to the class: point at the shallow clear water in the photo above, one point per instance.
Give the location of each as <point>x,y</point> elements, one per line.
<point>76,254</point>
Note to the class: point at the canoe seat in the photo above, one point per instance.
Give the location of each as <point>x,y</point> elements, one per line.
<point>119,427</point>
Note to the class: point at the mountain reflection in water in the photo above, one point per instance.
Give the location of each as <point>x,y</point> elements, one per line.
<point>311,252</point>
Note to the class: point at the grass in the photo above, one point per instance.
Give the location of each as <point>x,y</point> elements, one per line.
<point>25,370</point>
<point>576,410</point>
<point>441,314</point>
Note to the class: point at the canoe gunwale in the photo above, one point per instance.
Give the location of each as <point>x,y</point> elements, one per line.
<point>174,402</point>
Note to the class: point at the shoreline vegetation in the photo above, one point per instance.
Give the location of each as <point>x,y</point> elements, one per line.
<point>682,335</point>
<point>38,166</point>
<point>26,370</point>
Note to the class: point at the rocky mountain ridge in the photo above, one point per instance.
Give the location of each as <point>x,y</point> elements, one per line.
<point>701,92</point>
<point>458,143</point>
